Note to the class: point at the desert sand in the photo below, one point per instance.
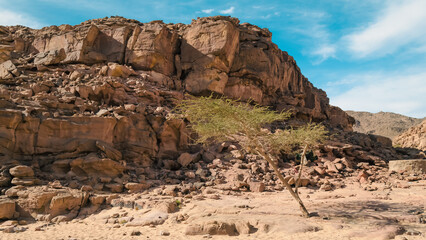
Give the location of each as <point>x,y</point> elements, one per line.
<point>351,212</point>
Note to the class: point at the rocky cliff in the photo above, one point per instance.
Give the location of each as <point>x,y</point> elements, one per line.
<point>112,80</point>
<point>84,114</point>
<point>414,137</point>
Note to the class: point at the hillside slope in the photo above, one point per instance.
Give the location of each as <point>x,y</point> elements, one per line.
<point>414,137</point>
<point>385,124</point>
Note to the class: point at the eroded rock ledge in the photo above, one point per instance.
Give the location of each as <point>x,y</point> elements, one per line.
<point>113,80</point>
<point>214,54</point>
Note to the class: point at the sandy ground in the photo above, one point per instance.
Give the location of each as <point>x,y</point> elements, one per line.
<point>347,213</point>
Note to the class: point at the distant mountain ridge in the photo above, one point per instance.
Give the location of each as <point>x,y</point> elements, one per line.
<point>386,124</point>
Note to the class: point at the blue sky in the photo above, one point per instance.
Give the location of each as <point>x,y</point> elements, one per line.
<point>367,55</point>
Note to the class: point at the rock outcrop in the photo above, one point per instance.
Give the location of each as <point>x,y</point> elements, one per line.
<point>105,86</point>
<point>415,137</point>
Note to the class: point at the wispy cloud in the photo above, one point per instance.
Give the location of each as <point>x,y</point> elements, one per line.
<point>207,11</point>
<point>389,92</point>
<point>228,11</point>
<point>10,18</point>
<point>324,52</point>
<point>312,29</point>
<point>400,24</point>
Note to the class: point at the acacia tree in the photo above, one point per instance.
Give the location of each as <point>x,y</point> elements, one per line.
<point>221,119</point>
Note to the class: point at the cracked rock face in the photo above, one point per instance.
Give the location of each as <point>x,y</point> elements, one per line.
<point>106,86</point>
<point>415,137</point>
<point>214,54</point>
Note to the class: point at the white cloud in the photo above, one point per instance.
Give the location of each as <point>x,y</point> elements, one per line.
<point>400,24</point>
<point>388,92</point>
<point>324,52</point>
<point>310,27</point>
<point>10,18</point>
<point>228,11</point>
<point>207,11</point>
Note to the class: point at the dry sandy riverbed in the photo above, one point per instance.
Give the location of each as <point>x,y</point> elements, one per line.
<point>348,213</point>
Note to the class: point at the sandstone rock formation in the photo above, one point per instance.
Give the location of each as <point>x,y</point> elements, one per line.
<point>85,109</point>
<point>66,93</point>
<point>415,137</point>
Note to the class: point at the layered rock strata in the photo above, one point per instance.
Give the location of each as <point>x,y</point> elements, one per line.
<point>86,107</point>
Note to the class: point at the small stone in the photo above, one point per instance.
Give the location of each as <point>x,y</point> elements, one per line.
<point>370,188</point>
<point>9,230</point>
<point>105,179</point>
<point>26,181</point>
<point>86,188</point>
<point>130,107</point>
<point>362,177</point>
<point>190,174</point>
<point>319,170</point>
<point>186,158</point>
<point>97,200</point>
<point>303,182</point>
<point>39,228</point>
<point>135,233</point>
<point>257,186</point>
<point>325,187</point>
<point>413,232</point>
<point>102,112</point>
<point>331,167</point>
<point>23,222</point>
<point>165,233</point>
<point>115,187</point>
<point>73,184</point>
<point>339,166</point>
<point>136,187</point>
<point>237,154</point>
<point>217,162</point>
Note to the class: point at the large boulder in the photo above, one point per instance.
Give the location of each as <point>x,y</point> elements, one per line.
<point>93,166</point>
<point>153,46</point>
<point>21,171</point>
<point>7,209</point>
<point>69,46</point>
<point>45,203</point>
<point>207,54</point>
<point>8,70</point>
<point>63,203</point>
<point>411,166</point>
<point>219,227</point>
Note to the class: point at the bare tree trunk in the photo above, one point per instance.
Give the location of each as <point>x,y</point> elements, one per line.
<point>305,212</point>
<point>302,162</point>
